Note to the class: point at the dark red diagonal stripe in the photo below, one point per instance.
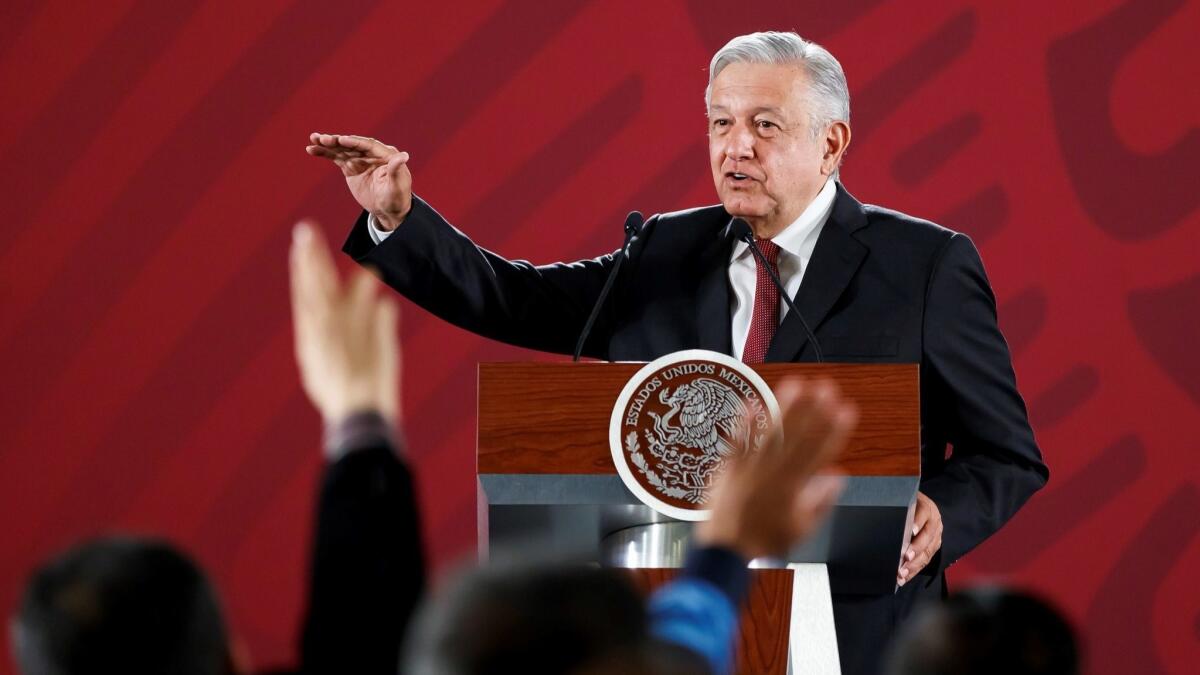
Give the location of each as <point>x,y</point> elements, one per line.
<point>717,22</point>
<point>1063,507</point>
<point>920,160</point>
<point>84,104</point>
<point>108,257</point>
<point>14,18</point>
<point>980,216</point>
<point>291,442</point>
<point>877,100</point>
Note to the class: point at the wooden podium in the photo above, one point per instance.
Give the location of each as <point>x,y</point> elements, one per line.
<point>547,481</point>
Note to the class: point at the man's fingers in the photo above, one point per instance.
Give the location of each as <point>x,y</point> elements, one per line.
<point>332,153</point>
<point>921,516</point>
<point>910,568</point>
<point>368,146</point>
<point>920,544</point>
<point>351,163</point>
<point>327,140</point>
<point>923,534</point>
<point>920,551</point>
<point>398,160</point>
<point>356,146</point>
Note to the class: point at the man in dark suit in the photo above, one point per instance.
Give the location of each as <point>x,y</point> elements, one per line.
<point>873,285</point>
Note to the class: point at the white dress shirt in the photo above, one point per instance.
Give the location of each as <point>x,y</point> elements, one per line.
<point>796,244</point>
<point>377,235</point>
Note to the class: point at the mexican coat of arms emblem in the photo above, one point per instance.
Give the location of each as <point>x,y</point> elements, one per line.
<point>679,419</point>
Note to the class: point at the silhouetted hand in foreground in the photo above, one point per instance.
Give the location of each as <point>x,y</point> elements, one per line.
<point>346,343</point>
<point>768,500</point>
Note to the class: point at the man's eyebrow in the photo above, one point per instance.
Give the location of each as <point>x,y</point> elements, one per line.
<point>761,109</point>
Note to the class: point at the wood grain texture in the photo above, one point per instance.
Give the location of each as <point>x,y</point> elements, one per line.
<point>762,646</point>
<point>553,418</point>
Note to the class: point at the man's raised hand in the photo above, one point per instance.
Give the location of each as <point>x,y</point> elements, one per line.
<point>376,173</point>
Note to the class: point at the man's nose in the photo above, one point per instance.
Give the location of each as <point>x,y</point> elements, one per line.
<point>739,143</point>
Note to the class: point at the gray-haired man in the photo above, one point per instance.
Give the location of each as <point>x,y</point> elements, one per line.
<point>874,286</point>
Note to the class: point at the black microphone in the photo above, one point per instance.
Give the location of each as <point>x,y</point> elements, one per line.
<point>741,230</point>
<point>633,227</point>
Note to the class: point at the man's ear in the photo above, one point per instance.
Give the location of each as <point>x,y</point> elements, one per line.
<point>837,139</point>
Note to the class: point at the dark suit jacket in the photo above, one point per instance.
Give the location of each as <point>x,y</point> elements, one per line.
<point>881,287</point>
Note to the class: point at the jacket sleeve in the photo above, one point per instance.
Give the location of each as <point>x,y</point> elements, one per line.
<point>367,570</point>
<point>995,465</point>
<point>430,262</point>
<point>699,609</point>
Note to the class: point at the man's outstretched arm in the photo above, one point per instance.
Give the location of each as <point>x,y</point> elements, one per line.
<point>435,265</point>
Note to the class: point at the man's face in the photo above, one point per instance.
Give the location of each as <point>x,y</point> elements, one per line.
<point>765,162</point>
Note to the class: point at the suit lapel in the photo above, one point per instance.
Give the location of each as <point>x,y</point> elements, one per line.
<point>712,296</point>
<point>835,260</point>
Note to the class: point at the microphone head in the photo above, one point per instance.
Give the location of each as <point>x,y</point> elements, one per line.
<point>634,222</point>
<point>740,229</point>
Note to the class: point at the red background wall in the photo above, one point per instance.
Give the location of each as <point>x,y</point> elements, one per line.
<point>153,164</point>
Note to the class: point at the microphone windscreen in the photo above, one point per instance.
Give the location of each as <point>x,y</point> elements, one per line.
<point>740,229</point>
<point>634,222</point>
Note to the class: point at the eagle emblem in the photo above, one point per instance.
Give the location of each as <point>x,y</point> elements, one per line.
<point>679,420</point>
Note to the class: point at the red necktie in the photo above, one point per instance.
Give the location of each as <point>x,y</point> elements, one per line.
<point>766,305</point>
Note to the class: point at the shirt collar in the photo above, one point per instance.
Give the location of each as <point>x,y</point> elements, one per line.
<point>792,238</point>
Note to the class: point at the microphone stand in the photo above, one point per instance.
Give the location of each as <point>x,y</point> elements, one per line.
<point>633,226</point>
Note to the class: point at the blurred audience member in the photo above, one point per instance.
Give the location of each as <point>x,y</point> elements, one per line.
<point>121,605</point>
<point>986,631</point>
<point>554,619</point>
<point>133,606</point>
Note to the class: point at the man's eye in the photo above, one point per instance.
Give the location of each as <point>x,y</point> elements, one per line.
<point>720,123</point>
<point>764,124</point>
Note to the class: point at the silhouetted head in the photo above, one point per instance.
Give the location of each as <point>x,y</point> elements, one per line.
<point>120,605</point>
<point>986,631</point>
<point>539,619</point>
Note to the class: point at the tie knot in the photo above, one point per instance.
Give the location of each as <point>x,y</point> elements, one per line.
<point>770,250</point>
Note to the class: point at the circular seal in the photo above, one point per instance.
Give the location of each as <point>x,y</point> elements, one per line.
<point>676,422</point>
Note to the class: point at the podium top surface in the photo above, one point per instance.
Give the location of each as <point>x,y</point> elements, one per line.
<point>553,418</point>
